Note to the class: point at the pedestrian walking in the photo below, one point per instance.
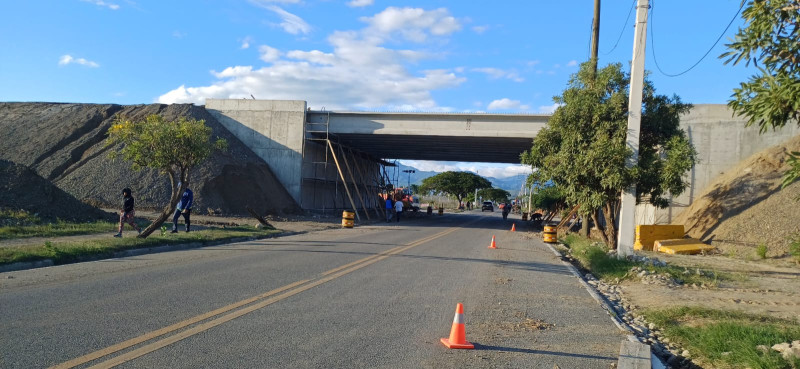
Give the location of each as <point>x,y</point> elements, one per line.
<point>127,213</point>
<point>506,210</point>
<point>389,209</point>
<point>184,208</point>
<point>398,207</point>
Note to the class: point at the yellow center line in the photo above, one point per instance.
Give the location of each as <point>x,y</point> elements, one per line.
<point>281,292</point>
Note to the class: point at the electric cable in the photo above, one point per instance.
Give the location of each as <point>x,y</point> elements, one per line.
<point>624,25</point>
<point>653,43</point>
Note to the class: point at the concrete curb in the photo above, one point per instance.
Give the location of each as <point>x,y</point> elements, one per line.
<point>25,265</point>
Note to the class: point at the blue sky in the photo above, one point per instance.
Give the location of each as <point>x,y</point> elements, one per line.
<point>501,56</point>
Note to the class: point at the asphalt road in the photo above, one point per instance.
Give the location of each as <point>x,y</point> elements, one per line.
<point>375,296</point>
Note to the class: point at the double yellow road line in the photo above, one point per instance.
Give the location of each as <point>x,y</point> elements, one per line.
<point>229,312</point>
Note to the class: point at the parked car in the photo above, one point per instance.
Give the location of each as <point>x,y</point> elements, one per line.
<point>487,205</point>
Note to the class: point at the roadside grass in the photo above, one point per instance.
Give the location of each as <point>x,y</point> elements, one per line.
<point>22,224</point>
<point>65,252</point>
<point>593,256</point>
<point>727,339</point>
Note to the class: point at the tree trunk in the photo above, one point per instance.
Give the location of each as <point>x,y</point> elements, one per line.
<point>611,225</point>
<point>600,227</point>
<point>584,225</point>
<point>177,191</point>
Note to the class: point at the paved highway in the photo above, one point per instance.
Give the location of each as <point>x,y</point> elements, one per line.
<point>377,296</point>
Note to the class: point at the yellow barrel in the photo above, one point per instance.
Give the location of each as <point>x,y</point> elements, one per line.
<point>524,216</point>
<point>550,234</point>
<point>347,219</point>
<point>441,210</point>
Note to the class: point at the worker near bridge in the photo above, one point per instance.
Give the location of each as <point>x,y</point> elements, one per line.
<point>184,208</point>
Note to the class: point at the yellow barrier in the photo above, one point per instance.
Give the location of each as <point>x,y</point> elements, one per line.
<point>687,246</point>
<point>347,219</point>
<point>647,235</point>
<point>550,234</point>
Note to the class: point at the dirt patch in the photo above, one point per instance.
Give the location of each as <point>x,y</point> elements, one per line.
<point>22,189</point>
<point>64,143</point>
<point>746,207</point>
<point>753,287</point>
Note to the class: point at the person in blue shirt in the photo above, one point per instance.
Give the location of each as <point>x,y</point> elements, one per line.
<point>389,209</point>
<point>184,208</point>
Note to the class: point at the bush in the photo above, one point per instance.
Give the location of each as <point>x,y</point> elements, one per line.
<point>761,251</point>
<point>794,247</point>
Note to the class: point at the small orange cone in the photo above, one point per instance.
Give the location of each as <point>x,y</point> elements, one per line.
<point>493,245</point>
<point>458,334</point>
<point>513,227</point>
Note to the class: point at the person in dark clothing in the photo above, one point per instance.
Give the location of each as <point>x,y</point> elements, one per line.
<point>127,213</point>
<point>184,208</point>
<point>506,210</point>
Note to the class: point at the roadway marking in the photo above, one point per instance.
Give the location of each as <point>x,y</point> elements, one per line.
<point>271,297</point>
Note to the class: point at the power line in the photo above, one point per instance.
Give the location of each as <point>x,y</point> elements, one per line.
<point>653,43</point>
<point>624,25</point>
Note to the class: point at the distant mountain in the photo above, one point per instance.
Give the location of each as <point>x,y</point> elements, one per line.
<point>510,184</point>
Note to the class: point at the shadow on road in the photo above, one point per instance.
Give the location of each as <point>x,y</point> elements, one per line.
<point>540,352</point>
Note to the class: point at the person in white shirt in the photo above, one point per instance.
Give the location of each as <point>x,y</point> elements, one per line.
<point>398,207</point>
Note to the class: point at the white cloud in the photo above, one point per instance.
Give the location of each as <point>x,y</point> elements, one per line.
<point>495,73</point>
<point>480,29</point>
<point>68,59</point>
<point>246,42</point>
<point>572,63</point>
<point>413,24</point>
<point>268,54</point>
<point>111,6</point>
<point>507,104</point>
<point>265,3</point>
<point>533,63</point>
<point>314,56</point>
<point>179,34</point>
<point>291,23</point>
<point>358,73</point>
<point>360,3</point>
<point>549,109</point>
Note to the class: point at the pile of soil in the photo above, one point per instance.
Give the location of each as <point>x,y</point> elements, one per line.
<point>22,189</point>
<point>65,144</point>
<point>746,207</point>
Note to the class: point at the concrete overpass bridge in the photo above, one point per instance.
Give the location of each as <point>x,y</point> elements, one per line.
<point>330,161</point>
<point>495,138</point>
<point>336,160</point>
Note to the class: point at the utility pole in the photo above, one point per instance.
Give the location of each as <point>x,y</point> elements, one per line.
<point>627,221</point>
<point>595,41</point>
<point>595,35</point>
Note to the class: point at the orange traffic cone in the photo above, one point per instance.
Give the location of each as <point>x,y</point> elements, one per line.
<point>458,334</point>
<point>513,227</point>
<point>493,245</point>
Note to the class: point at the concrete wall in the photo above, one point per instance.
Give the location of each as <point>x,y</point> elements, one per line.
<point>273,129</point>
<point>721,141</point>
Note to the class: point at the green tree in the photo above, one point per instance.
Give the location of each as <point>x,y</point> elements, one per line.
<point>494,194</point>
<point>582,150</point>
<point>457,184</point>
<point>414,188</point>
<point>770,40</point>
<point>172,147</point>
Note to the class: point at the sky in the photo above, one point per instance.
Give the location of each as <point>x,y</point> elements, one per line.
<point>363,55</point>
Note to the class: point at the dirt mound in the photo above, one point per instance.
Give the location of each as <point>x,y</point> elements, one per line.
<point>746,207</point>
<point>64,143</point>
<point>22,189</point>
